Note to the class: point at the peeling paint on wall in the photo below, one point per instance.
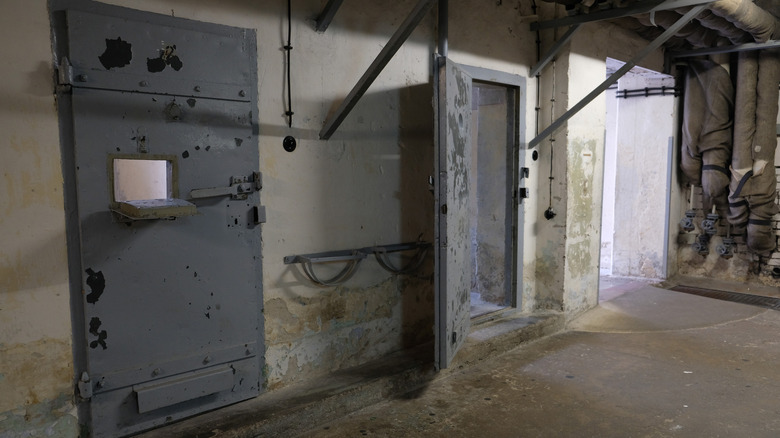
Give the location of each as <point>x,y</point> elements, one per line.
<point>342,327</point>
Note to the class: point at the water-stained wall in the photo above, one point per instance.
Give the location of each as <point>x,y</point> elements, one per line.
<point>367,185</point>
<point>35,338</point>
<point>567,250</point>
<point>642,172</point>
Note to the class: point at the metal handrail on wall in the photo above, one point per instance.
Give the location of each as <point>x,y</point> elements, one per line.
<point>353,257</point>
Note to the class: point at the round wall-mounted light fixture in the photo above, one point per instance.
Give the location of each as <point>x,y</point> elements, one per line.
<point>289,143</point>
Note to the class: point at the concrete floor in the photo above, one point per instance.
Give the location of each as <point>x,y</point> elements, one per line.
<point>646,363</point>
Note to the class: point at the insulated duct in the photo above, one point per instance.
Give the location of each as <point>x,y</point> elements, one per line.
<point>744,132</point>
<point>697,35</point>
<point>736,21</point>
<point>745,15</point>
<point>753,199</point>
<point>707,128</point>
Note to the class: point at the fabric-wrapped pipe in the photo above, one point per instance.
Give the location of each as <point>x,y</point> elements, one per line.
<point>748,17</point>
<point>744,132</point>
<point>707,128</point>
<point>694,107</point>
<point>720,25</point>
<point>698,36</point>
<point>763,197</point>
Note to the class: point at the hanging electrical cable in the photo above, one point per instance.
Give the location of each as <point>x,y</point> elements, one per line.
<point>289,143</point>
<point>289,113</point>
<point>550,213</point>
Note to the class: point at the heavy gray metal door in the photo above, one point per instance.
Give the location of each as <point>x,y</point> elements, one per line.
<point>172,287</point>
<point>452,89</point>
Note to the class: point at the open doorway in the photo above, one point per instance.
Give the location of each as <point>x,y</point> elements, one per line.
<point>637,176</point>
<point>493,131</point>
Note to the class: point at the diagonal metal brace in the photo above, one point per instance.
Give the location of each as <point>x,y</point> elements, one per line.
<point>554,50</point>
<point>658,42</point>
<point>640,7</point>
<point>376,67</point>
<point>324,19</point>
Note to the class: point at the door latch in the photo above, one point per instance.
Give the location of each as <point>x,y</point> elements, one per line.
<point>240,187</point>
<point>523,193</point>
<point>524,172</point>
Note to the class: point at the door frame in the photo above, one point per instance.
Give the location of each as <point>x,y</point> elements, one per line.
<point>518,83</point>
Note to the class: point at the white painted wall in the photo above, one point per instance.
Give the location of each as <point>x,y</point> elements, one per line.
<point>643,130</point>
<point>610,170</point>
<point>585,154</point>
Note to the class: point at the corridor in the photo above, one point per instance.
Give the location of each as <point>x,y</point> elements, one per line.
<point>647,362</point>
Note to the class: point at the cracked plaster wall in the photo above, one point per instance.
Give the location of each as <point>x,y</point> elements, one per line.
<point>367,185</point>
<point>35,337</point>
<point>642,154</point>
<point>567,262</point>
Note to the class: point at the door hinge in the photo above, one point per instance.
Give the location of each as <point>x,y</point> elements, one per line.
<point>84,386</point>
<point>64,75</point>
<point>524,172</point>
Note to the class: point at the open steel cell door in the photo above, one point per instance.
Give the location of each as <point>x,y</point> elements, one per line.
<point>452,108</point>
<point>164,154</point>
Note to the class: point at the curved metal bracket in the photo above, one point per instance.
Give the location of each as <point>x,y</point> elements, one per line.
<point>336,280</point>
<point>380,253</point>
<point>353,257</point>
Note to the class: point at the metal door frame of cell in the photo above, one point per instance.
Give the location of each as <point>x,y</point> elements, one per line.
<point>442,358</point>
<point>515,177</point>
<point>66,117</point>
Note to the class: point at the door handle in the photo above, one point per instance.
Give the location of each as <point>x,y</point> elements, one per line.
<point>240,187</point>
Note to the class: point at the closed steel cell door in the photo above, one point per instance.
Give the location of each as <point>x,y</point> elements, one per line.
<point>164,153</point>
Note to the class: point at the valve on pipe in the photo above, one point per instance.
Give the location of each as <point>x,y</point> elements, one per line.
<point>687,222</point>
<point>702,244</point>
<point>726,249</point>
<point>710,224</point>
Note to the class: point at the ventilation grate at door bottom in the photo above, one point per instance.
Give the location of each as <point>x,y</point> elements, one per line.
<point>735,297</point>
